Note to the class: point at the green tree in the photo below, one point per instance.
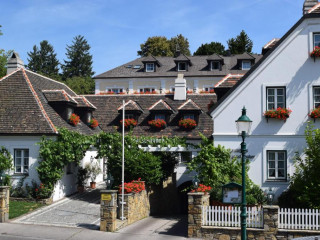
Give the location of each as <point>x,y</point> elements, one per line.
<point>215,167</point>
<point>79,63</point>
<point>81,85</point>
<point>210,48</point>
<point>6,161</point>
<point>304,189</point>
<point>156,46</point>
<point>180,43</point>
<point>4,56</point>
<point>242,43</point>
<point>43,60</point>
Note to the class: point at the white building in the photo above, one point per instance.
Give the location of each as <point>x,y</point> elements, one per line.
<point>285,77</point>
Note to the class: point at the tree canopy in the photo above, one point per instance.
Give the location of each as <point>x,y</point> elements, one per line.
<point>161,46</point>
<point>79,59</point>
<point>242,43</point>
<point>81,85</point>
<point>43,60</point>
<point>210,48</point>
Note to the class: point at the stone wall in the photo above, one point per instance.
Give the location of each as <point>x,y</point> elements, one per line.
<point>108,210</point>
<point>136,208</point>
<point>4,203</point>
<point>269,231</point>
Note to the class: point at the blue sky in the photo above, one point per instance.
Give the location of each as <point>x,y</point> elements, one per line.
<point>116,28</point>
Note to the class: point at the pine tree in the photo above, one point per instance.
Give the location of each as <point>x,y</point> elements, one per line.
<point>209,49</point>
<point>79,63</point>
<point>242,43</point>
<point>43,60</point>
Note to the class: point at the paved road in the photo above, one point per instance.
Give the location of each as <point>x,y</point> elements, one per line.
<point>81,210</point>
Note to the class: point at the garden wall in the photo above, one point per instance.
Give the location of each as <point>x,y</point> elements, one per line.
<point>269,231</point>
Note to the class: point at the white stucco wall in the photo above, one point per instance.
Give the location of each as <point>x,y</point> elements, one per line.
<point>291,66</point>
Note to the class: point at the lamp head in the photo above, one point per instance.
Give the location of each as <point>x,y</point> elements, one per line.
<point>243,123</point>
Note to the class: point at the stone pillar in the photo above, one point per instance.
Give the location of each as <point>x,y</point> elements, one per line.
<point>195,202</point>
<point>108,210</point>
<point>270,221</point>
<point>4,203</point>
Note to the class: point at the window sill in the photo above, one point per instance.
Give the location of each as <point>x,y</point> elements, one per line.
<point>20,174</point>
<point>277,180</point>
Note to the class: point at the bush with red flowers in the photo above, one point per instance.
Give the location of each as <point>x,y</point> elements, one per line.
<point>279,113</point>
<point>128,123</point>
<point>158,123</point>
<point>315,113</point>
<point>39,191</point>
<point>202,188</point>
<point>74,119</point>
<point>187,123</point>
<point>134,186</point>
<point>316,52</point>
<point>93,123</point>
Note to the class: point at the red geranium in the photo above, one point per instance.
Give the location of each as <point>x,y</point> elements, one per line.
<point>158,123</point>
<point>316,52</point>
<point>74,119</point>
<point>135,186</point>
<point>279,113</point>
<point>202,188</point>
<point>315,113</point>
<point>93,123</point>
<point>187,123</point>
<point>130,122</point>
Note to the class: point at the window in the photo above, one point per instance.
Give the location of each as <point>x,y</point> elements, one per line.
<point>316,40</point>
<point>147,90</point>
<point>182,66</point>
<point>186,116</point>
<point>208,89</point>
<point>215,65</point>
<point>159,116</point>
<point>21,161</point>
<point>316,97</point>
<point>185,157</point>
<point>277,162</point>
<point>149,67</point>
<point>129,116</point>
<point>69,112</point>
<point>246,65</point>
<point>276,98</point>
<point>115,90</point>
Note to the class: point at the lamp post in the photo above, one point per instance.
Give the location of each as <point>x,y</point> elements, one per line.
<point>195,182</point>
<point>243,129</point>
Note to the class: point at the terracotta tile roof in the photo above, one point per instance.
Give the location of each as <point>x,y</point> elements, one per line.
<point>189,105</point>
<point>58,96</point>
<point>24,108</point>
<point>160,106</point>
<point>228,81</point>
<point>83,102</point>
<point>108,116</point>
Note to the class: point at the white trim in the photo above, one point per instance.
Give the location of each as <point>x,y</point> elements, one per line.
<point>186,68</point>
<point>310,93</point>
<point>313,28</point>
<point>195,85</point>
<point>246,61</point>
<point>264,87</point>
<point>153,67</point>
<point>215,61</point>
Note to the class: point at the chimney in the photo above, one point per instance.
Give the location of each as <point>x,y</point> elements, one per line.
<point>14,63</point>
<point>308,4</point>
<point>180,88</point>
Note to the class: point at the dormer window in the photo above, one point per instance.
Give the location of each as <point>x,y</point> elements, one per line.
<point>215,65</point>
<point>189,116</point>
<point>182,66</point>
<point>69,112</point>
<point>246,64</point>
<point>150,67</point>
<point>316,40</point>
<point>160,116</point>
<point>129,116</point>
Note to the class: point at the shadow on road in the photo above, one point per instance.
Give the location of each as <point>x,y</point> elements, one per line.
<point>179,228</point>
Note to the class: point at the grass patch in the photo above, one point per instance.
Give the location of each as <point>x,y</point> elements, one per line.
<point>18,208</point>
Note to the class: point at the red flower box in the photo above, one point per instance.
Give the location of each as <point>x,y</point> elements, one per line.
<point>279,113</point>
<point>130,122</point>
<point>315,113</point>
<point>74,119</point>
<point>202,188</point>
<point>187,123</point>
<point>93,123</point>
<point>315,53</point>
<point>158,124</point>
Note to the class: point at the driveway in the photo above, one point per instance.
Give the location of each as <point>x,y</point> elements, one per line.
<point>80,210</point>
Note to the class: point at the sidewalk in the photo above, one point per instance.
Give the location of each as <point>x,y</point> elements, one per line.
<point>80,210</point>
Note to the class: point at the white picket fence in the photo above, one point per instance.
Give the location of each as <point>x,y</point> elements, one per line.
<point>230,216</point>
<point>293,218</point>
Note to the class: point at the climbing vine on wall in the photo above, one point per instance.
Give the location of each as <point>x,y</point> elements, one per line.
<point>56,153</point>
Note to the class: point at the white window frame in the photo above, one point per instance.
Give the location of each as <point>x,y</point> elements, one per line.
<point>25,168</point>
<point>219,65</point>
<point>143,88</point>
<point>150,67</point>
<point>243,67</point>
<point>264,93</point>
<point>207,88</point>
<point>115,90</point>
<point>179,68</point>
<point>275,97</point>
<point>314,103</point>
<point>276,167</point>
<point>317,34</point>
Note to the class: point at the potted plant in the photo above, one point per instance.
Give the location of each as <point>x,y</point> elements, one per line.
<point>315,113</point>
<point>279,113</point>
<point>187,124</point>
<point>93,123</point>
<point>82,176</point>
<point>74,119</point>
<point>93,171</point>
<point>129,123</point>
<point>315,53</point>
<point>157,124</point>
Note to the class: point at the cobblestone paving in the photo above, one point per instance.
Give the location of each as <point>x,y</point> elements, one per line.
<point>81,210</point>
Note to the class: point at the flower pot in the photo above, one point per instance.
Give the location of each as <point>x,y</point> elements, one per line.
<point>93,185</point>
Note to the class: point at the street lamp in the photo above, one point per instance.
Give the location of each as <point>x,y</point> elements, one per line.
<point>243,128</point>
<point>109,181</point>
<point>195,182</point>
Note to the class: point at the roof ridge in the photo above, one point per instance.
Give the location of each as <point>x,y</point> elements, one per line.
<point>227,77</point>
<point>51,80</point>
<point>43,111</point>
<point>161,101</point>
<point>189,101</point>
<point>315,7</point>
